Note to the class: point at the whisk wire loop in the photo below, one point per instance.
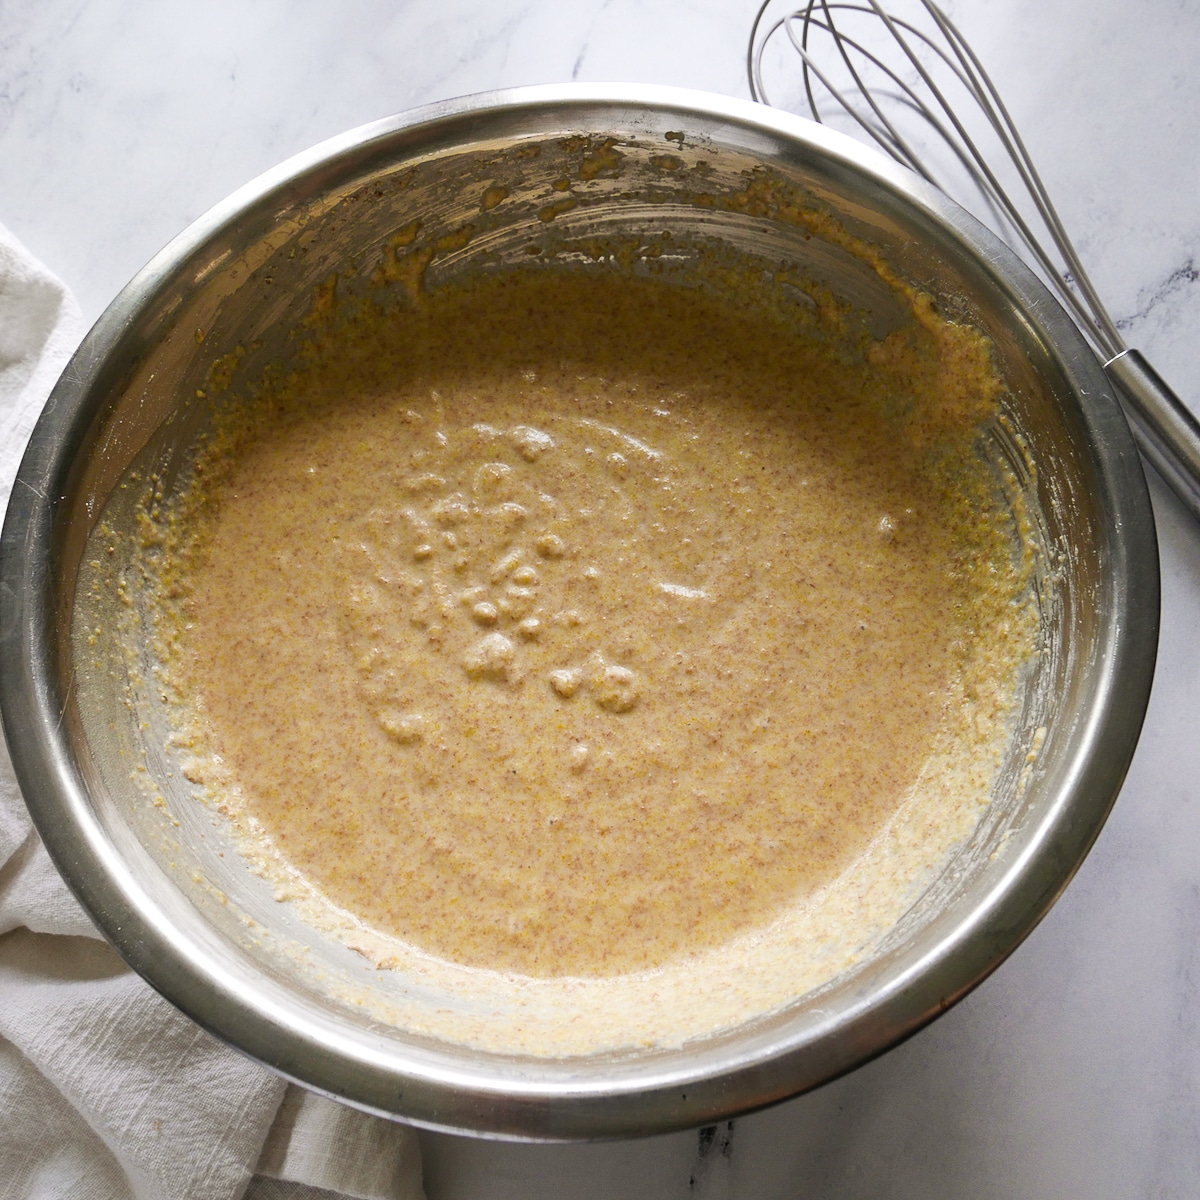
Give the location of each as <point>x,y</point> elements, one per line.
<point>885,133</point>
<point>928,100</point>
<point>842,45</point>
<point>990,101</point>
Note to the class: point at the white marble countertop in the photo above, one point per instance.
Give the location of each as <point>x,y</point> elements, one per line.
<point>1074,1071</point>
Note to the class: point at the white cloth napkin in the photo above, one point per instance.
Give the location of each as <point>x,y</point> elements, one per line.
<point>106,1091</point>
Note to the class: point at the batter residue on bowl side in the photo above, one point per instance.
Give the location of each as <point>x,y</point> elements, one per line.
<point>579,630</point>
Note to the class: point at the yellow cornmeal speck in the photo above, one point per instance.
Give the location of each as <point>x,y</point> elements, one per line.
<point>573,626</point>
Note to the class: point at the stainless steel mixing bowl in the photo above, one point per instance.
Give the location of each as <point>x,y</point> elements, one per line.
<point>81,716</point>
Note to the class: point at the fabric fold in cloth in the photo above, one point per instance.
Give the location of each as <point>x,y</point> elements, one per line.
<point>107,1091</point>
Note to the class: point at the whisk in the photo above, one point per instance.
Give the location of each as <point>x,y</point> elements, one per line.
<point>895,72</point>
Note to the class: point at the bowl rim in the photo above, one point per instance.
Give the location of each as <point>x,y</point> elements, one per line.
<point>562,1099</point>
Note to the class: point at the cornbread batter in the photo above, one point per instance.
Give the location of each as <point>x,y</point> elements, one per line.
<point>571,625</point>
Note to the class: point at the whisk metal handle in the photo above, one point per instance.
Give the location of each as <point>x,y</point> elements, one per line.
<point>1166,432</point>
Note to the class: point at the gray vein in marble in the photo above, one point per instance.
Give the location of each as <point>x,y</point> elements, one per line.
<point>1179,279</point>
<point>1177,1127</point>
<point>587,39</point>
<point>499,39</point>
<point>20,41</point>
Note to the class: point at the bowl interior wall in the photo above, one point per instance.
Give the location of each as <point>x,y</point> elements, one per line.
<point>253,284</point>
